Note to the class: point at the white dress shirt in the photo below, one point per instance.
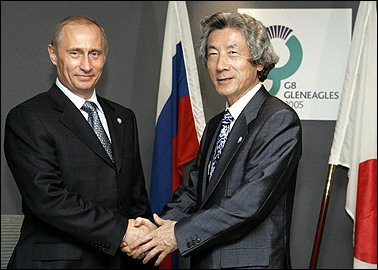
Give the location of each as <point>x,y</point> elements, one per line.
<point>236,109</point>
<point>79,102</point>
<point>239,105</point>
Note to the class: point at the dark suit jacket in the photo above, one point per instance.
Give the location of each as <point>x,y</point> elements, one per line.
<point>243,217</point>
<point>76,202</point>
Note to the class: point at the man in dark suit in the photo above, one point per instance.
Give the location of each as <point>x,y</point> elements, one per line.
<point>80,198</point>
<point>236,210</point>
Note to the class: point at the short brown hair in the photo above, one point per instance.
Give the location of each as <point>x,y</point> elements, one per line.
<point>57,34</point>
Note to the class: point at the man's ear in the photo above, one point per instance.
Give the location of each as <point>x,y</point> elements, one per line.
<point>52,54</point>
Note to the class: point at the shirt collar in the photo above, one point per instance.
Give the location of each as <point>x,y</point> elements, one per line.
<point>239,105</point>
<point>78,101</point>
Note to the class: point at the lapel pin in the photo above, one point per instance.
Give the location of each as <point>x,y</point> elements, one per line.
<point>240,139</point>
<point>119,120</point>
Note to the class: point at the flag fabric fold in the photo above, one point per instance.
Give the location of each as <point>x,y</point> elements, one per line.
<point>180,119</point>
<point>355,139</point>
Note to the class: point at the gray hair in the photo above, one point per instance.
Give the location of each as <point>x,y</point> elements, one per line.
<point>260,47</point>
<point>57,34</point>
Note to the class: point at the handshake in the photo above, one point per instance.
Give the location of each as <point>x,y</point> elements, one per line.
<point>144,240</point>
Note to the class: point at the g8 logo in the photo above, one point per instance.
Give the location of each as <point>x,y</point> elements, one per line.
<point>295,60</point>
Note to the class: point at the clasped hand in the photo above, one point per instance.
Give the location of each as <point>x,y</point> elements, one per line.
<point>146,240</point>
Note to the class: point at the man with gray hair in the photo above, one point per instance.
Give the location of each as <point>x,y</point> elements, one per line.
<point>236,209</point>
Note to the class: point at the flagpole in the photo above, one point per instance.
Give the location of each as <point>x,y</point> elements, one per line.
<point>322,216</point>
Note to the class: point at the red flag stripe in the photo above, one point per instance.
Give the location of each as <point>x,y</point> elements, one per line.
<point>167,262</point>
<point>185,144</point>
<point>366,213</point>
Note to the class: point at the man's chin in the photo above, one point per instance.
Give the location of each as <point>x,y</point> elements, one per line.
<point>85,87</point>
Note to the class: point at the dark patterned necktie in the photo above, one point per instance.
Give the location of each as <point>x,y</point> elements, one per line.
<point>95,123</point>
<point>226,121</point>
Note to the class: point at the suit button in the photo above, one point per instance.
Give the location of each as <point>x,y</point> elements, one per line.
<point>198,239</point>
<point>189,244</point>
<point>194,242</point>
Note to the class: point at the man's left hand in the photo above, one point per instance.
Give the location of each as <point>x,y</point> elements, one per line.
<point>161,241</point>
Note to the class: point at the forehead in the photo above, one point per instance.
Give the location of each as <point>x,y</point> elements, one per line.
<point>76,27</point>
<point>77,32</point>
<point>226,37</point>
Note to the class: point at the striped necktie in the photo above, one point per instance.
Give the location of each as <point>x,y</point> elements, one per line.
<point>95,123</point>
<point>222,137</point>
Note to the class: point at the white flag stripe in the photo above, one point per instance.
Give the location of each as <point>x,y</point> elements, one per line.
<point>169,50</point>
<point>357,264</point>
<point>364,142</point>
<point>346,124</point>
<point>190,66</point>
<point>178,29</point>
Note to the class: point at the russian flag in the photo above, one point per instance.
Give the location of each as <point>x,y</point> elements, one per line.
<point>179,119</point>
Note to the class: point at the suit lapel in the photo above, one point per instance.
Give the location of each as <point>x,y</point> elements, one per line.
<point>72,118</point>
<point>209,144</point>
<point>231,147</point>
<point>116,130</point>
<point>234,140</point>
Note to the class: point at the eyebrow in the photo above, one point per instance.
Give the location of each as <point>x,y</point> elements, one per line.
<point>81,50</point>
<point>231,46</point>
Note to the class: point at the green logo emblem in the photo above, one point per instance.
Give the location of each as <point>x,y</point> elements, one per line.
<point>295,60</point>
